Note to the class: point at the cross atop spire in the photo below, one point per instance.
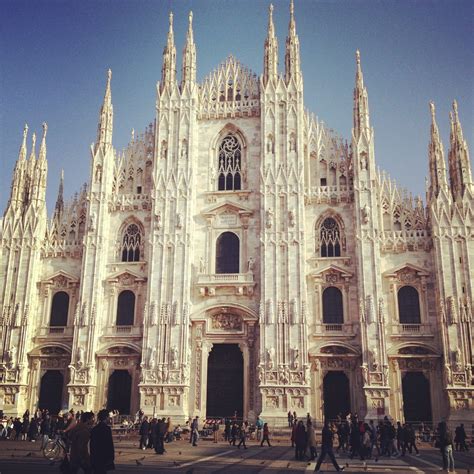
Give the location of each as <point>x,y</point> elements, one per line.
<point>106,117</point>
<point>188,75</point>
<point>168,70</point>
<point>270,62</point>
<point>292,54</point>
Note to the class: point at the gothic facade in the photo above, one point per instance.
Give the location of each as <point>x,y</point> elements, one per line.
<point>239,251</point>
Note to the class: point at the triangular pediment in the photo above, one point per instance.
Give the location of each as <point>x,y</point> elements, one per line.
<point>60,277</point>
<point>125,277</point>
<point>332,269</point>
<point>404,268</point>
<point>227,207</point>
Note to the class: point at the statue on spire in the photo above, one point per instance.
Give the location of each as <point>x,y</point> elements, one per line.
<point>361,122</point>
<point>168,70</point>
<point>189,56</point>
<point>270,62</point>
<point>292,54</point>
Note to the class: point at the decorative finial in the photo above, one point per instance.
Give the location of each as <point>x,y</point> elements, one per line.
<point>455,109</point>
<point>171,19</point>
<point>109,74</point>
<point>62,175</point>
<point>432,109</point>
<point>25,131</point>
<point>190,18</point>
<point>358,57</point>
<point>133,134</point>
<point>292,8</point>
<point>45,129</point>
<point>270,8</point>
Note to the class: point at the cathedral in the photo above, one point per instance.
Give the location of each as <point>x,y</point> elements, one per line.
<point>240,256</point>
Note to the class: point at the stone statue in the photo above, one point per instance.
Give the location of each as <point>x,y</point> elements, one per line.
<point>179,221</point>
<point>295,357</point>
<point>250,265</point>
<point>11,356</point>
<point>152,359</point>
<point>375,363</point>
<point>291,218</point>
<point>80,356</point>
<point>270,358</point>
<point>202,265</point>
<point>365,213</point>
<point>457,359</point>
<point>269,218</point>
<point>174,357</point>
<point>158,220</point>
<point>184,150</point>
<point>365,374</point>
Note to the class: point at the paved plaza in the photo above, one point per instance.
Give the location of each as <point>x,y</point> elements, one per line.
<point>180,457</point>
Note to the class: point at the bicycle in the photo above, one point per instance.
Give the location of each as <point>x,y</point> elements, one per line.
<point>55,449</point>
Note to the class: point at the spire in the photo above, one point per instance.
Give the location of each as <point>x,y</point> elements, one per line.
<point>17,187</point>
<point>58,209</point>
<point>42,151</point>
<point>459,164</point>
<point>168,70</point>
<point>292,54</point>
<point>22,153</point>
<point>361,120</point>
<point>106,117</point>
<point>270,62</point>
<point>437,164</point>
<point>189,56</point>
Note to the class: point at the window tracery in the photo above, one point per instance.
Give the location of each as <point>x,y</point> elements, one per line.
<point>229,164</point>
<point>330,238</point>
<point>131,243</point>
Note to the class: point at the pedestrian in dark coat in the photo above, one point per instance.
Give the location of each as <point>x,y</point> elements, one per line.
<point>300,441</point>
<point>102,445</point>
<point>33,430</point>
<point>326,448</point>
<point>144,430</point>
<point>159,437</point>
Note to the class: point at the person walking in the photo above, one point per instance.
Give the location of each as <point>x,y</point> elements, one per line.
<point>259,425</point>
<point>460,438</point>
<point>144,430</point>
<point>410,439</point>
<point>45,430</point>
<point>446,446</point>
<point>102,445</point>
<point>290,419</point>
<point>311,441</point>
<point>243,434</point>
<point>326,448</point>
<point>266,435</point>
<point>195,431</point>
<point>215,431</point>
<point>79,437</point>
<point>300,441</point>
<point>233,434</point>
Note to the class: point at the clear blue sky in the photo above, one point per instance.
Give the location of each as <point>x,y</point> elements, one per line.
<point>54,56</point>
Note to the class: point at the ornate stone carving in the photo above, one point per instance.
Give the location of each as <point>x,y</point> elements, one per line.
<point>270,358</point>
<point>226,322</point>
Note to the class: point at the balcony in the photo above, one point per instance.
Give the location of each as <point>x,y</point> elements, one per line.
<point>345,330</point>
<point>226,284</point>
<point>55,332</point>
<point>412,330</point>
<point>320,194</point>
<point>122,331</point>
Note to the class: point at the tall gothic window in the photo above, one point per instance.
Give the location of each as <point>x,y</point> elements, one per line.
<point>228,253</point>
<point>229,165</point>
<point>131,244</point>
<point>409,305</point>
<point>59,309</point>
<point>333,312</point>
<point>330,238</point>
<point>125,308</point>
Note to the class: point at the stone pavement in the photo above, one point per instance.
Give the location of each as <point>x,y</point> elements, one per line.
<point>25,458</point>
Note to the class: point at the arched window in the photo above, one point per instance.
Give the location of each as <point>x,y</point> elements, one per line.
<point>228,253</point>
<point>330,238</point>
<point>409,305</point>
<point>59,309</point>
<point>126,308</point>
<point>131,242</point>
<point>333,312</point>
<point>229,164</point>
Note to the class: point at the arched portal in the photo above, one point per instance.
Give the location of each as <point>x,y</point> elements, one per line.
<point>225,381</point>
<point>119,392</point>
<point>336,395</point>
<point>227,253</point>
<point>416,397</point>
<point>51,390</point>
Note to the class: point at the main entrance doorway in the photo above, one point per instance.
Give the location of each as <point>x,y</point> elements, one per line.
<point>416,397</point>
<point>120,388</point>
<point>51,391</point>
<point>336,395</point>
<point>225,381</point>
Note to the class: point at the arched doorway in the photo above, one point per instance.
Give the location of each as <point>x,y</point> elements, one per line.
<point>119,393</point>
<point>336,395</point>
<point>416,397</point>
<point>225,381</point>
<point>51,391</point>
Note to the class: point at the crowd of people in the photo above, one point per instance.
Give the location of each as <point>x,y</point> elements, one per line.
<point>90,445</point>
